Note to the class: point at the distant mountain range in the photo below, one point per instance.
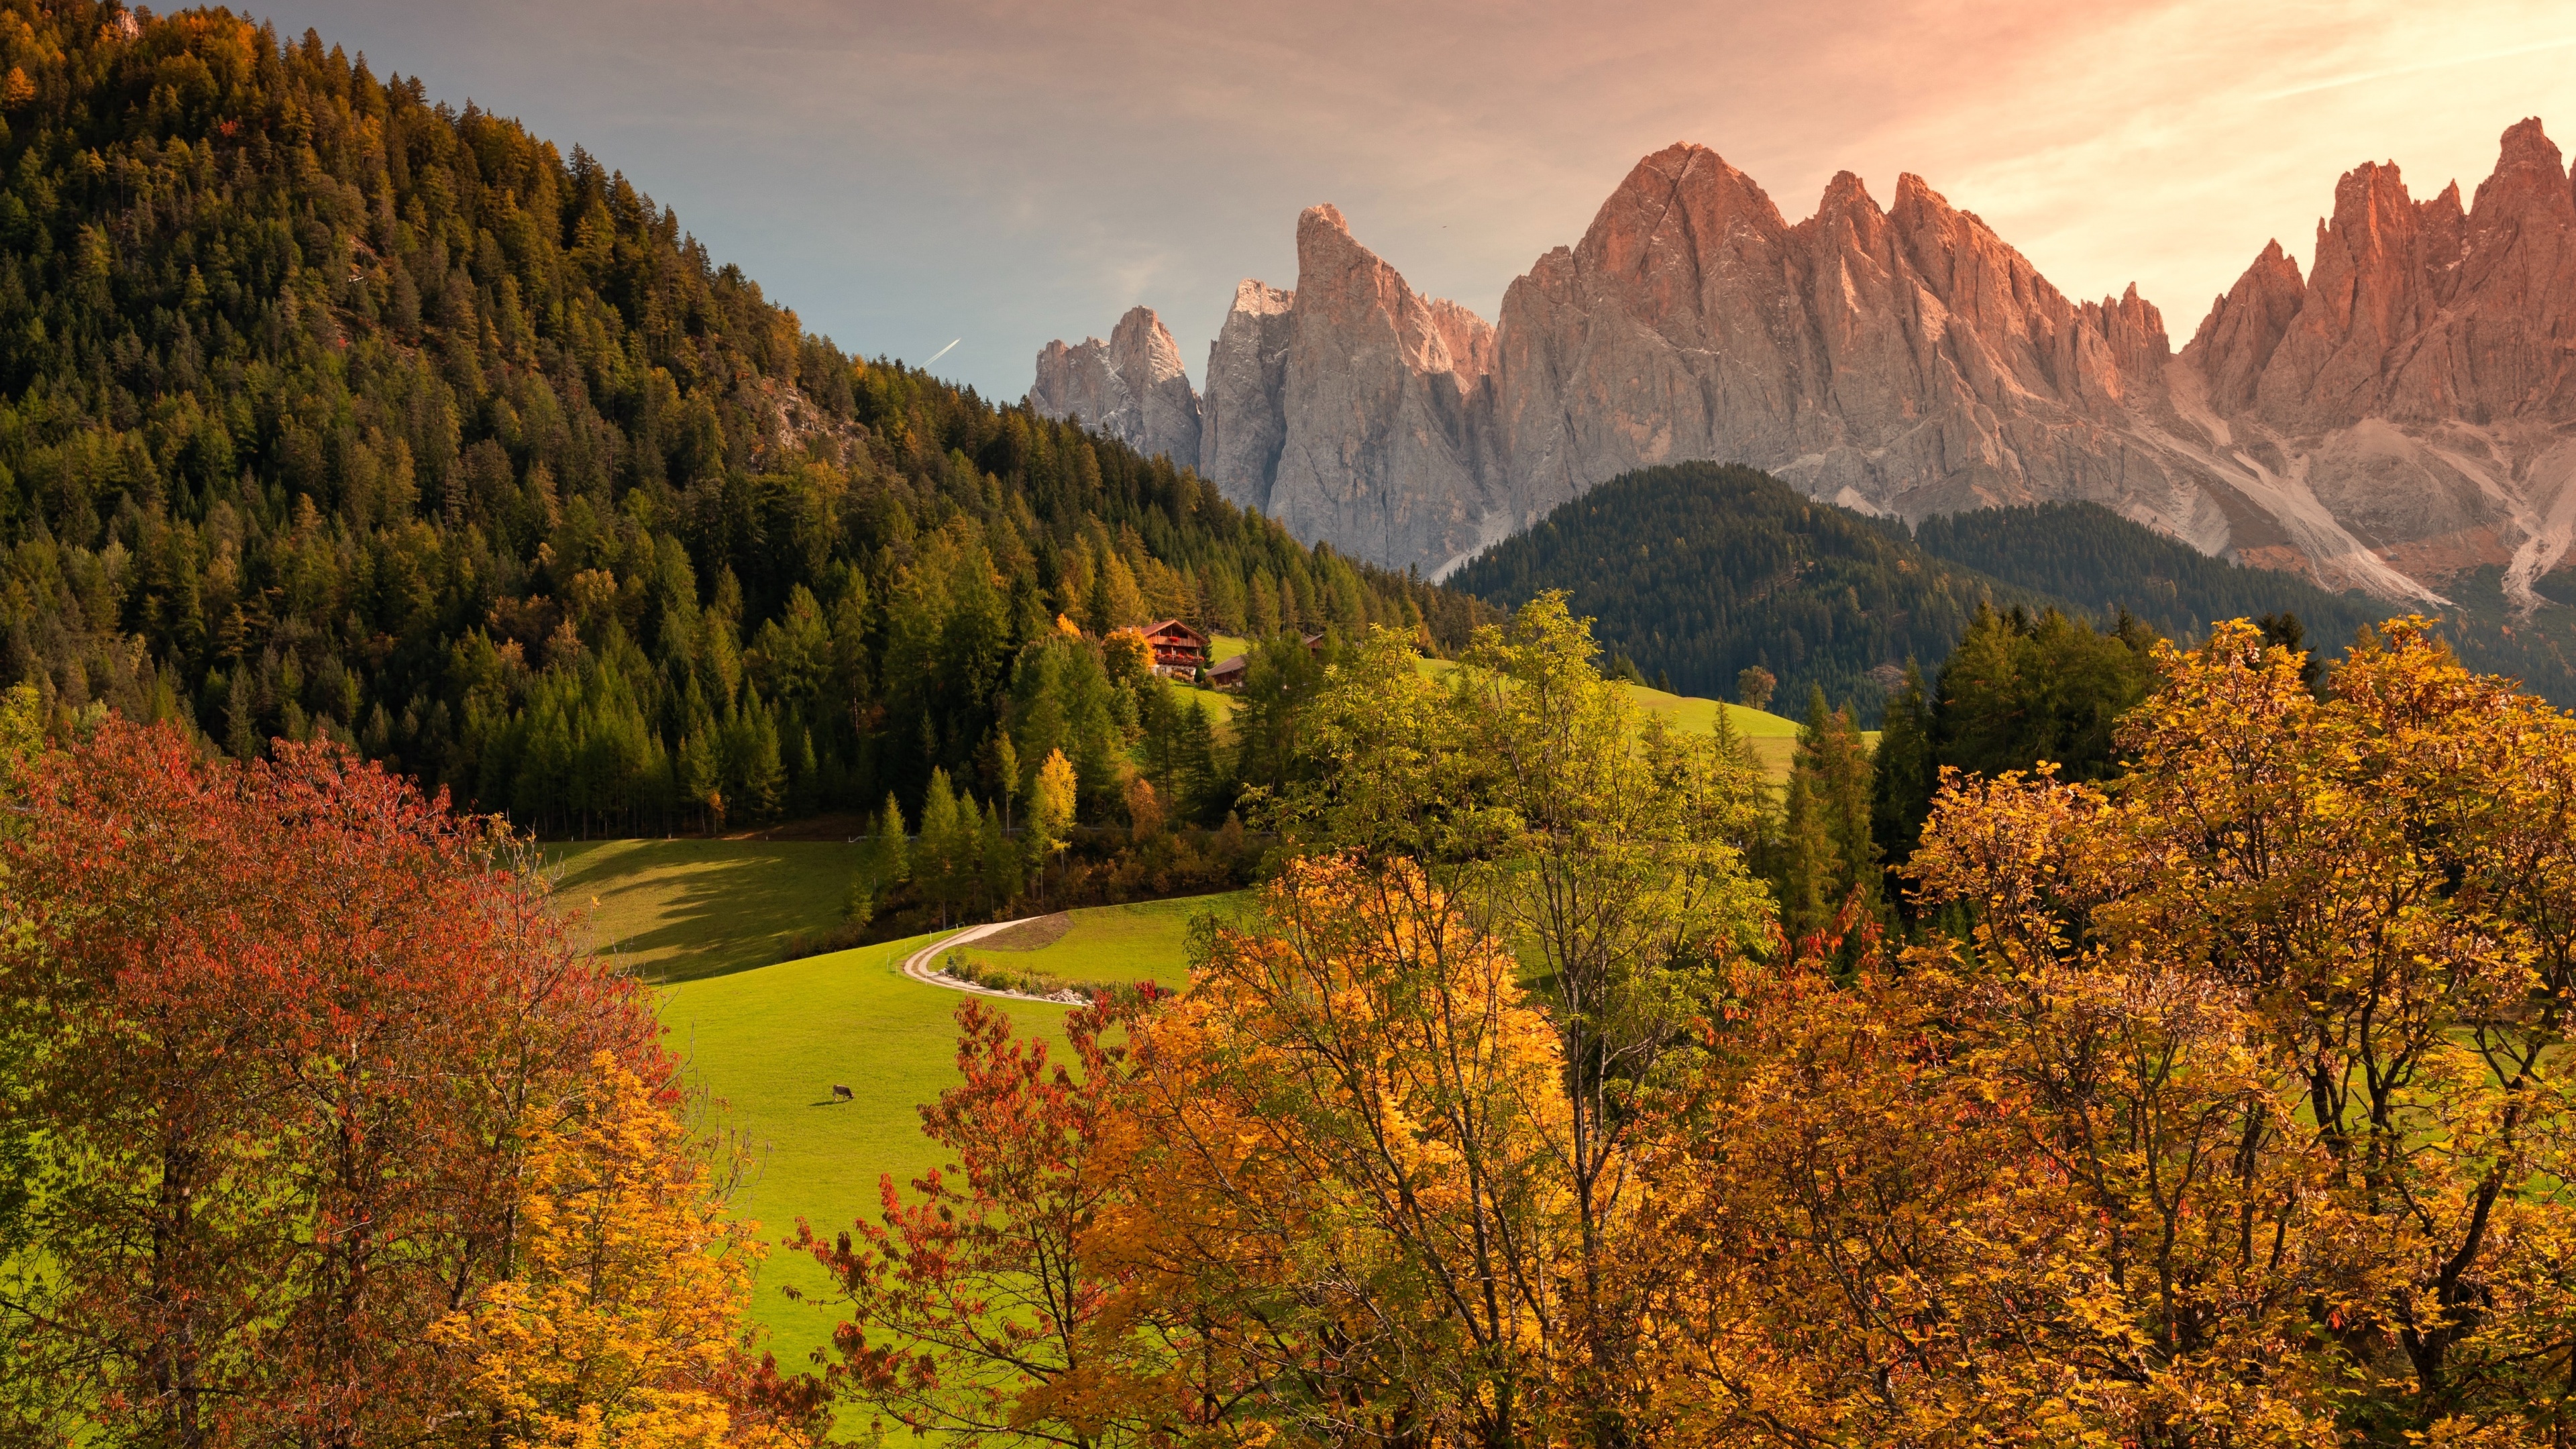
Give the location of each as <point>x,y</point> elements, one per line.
<point>2391,421</point>
<point>1697,570</point>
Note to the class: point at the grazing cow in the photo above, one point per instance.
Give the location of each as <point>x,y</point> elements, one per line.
<point>840,1093</point>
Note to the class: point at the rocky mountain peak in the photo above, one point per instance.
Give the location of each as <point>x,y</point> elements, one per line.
<point>2381,419</point>
<point>1320,218</point>
<point>1261,299</point>
<point>1665,201</point>
<point>1132,387</point>
<point>2243,328</point>
<point>1247,372</point>
<point>2526,155</point>
<point>1846,192</point>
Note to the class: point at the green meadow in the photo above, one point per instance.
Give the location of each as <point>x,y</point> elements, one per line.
<point>669,910</point>
<point>767,1043</point>
<point>1109,945</point>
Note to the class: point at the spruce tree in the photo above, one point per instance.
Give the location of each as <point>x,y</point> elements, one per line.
<point>1198,788</point>
<point>1904,774</point>
<point>999,863</point>
<point>1806,867</point>
<point>764,772</point>
<point>1003,763</point>
<point>1828,859</point>
<point>944,860</point>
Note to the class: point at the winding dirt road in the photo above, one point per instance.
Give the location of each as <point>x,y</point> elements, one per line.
<point>921,967</point>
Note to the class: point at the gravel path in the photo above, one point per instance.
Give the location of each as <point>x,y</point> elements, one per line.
<point>922,965</point>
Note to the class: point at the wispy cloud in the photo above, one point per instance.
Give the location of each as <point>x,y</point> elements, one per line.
<point>2391,72</point>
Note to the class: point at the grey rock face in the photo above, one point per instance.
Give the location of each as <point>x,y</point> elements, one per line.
<point>1902,361</point>
<point>2404,411</point>
<point>1242,422</point>
<point>2386,421</point>
<point>1132,387</point>
<point>1386,410</point>
<point>2418,385</point>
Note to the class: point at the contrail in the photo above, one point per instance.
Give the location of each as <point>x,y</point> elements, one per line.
<point>2372,75</point>
<point>943,352</point>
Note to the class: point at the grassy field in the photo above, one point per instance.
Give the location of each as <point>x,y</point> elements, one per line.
<point>1681,710</point>
<point>769,1044</point>
<point>670,910</point>
<point>1114,945</point>
<point>1774,738</point>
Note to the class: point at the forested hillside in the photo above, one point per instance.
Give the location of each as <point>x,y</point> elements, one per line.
<point>1703,570</point>
<point>329,411</point>
<point>2099,562</point>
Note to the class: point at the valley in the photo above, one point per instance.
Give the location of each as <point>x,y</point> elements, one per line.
<point>1801,840</point>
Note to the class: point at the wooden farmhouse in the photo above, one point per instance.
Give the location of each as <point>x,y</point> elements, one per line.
<point>1180,651</point>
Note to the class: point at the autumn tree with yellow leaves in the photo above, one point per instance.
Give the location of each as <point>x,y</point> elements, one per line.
<point>2232,1113</point>
<point>1347,1217</point>
<point>623,1322</point>
<point>2239,1118</point>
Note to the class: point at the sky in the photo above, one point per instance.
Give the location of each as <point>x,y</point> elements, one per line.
<point>997,173</point>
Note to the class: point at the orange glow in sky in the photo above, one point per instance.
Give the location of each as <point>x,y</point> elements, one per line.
<point>1014,171</point>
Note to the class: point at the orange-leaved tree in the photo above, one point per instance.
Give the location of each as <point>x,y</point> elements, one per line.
<point>2238,1119</point>
<point>622,1320</point>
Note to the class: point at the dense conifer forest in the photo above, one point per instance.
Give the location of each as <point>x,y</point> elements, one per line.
<point>327,410</point>
<point>2093,559</point>
<point>1701,571</point>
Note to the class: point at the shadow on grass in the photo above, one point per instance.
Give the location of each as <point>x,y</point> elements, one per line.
<point>724,906</point>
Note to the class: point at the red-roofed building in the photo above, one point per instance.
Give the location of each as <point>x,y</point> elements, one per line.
<point>1179,650</point>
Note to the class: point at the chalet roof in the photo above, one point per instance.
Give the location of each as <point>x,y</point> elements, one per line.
<point>1173,626</point>
<point>1234,664</point>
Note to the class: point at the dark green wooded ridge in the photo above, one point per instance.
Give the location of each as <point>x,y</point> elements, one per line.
<point>1701,570</point>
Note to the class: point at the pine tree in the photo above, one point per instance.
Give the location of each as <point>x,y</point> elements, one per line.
<point>1121,605</point>
<point>1803,875</point>
<point>944,860</point>
<point>241,732</point>
<point>1002,772</point>
<point>702,775</point>
<point>998,863</point>
<point>1904,774</point>
<point>1198,789</point>
<point>1828,859</point>
<point>1843,766</point>
<point>763,774</point>
<point>1051,809</point>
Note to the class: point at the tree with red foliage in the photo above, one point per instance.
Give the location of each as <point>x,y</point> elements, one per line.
<point>971,1311</point>
<point>297,1024</point>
